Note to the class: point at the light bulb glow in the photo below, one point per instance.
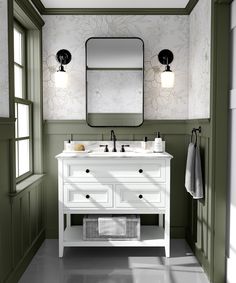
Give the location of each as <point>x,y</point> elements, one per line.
<point>167,79</point>
<point>61,79</point>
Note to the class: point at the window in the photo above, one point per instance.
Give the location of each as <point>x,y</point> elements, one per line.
<point>23,107</point>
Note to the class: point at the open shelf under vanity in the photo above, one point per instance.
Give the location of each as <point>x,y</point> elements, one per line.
<point>150,236</point>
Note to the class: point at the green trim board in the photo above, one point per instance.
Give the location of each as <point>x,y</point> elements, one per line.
<point>114,11</point>
<point>11,58</point>
<point>39,6</point>
<point>219,143</point>
<point>190,6</point>
<point>30,11</point>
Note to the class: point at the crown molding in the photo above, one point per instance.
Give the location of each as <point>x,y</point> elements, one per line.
<point>39,5</point>
<point>115,11</point>
<point>224,2</point>
<point>190,6</point>
<point>29,10</point>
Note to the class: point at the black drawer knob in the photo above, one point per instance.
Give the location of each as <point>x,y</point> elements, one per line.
<point>140,170</point>
<point>87,170</point>
<point>140,196</point>
<point>87,196</point>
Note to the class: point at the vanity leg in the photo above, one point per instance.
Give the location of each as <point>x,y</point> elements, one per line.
<point>68,220</point>
<point>167,234</point>
<point>61,232</point>
<point>161,221</point>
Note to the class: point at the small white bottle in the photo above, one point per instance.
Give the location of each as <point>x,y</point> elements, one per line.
<point>68,146</point>
<point>158,144</point>
<point>144,144</point>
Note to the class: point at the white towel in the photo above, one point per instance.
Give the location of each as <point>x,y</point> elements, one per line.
<point>193,174</point>
<point>112,226</point>
<point>198,190</point>
<point>189,174</point>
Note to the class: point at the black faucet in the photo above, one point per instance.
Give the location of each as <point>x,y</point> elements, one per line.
<point>113,137</point>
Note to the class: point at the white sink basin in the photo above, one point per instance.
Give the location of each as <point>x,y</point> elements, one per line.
<point>112,154</point>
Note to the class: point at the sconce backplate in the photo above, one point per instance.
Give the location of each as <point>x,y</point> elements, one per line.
<point>63,56</point>
<point>165,57</point>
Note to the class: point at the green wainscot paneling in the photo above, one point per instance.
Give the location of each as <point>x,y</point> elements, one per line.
<point>5,212</point>
<point>21,216</point>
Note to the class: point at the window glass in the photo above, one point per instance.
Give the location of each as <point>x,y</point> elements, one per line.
<point>17,47</point>
<point>18,81</point>
<point>17,161</point>
<point>16,122</point>
<point>24,158</point>
<point>23,120</point>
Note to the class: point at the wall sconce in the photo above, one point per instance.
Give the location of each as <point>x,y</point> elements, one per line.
<point>63,56</point>
<point>167,77</point>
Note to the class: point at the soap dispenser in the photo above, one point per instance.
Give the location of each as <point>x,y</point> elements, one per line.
<point>158,143</point>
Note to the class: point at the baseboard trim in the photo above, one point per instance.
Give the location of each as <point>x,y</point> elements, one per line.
<point>24,262</point>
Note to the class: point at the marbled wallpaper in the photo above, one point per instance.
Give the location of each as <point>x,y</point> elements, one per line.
<point>158,32</point>
<point>199,60</point>
<point>4,80</point>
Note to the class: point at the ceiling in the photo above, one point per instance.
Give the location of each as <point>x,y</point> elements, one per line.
<point>115,3</point>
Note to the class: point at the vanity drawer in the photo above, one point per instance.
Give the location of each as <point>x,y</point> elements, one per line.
<point>88,195</point>
<point>140,170</point>
<point>140,195</point>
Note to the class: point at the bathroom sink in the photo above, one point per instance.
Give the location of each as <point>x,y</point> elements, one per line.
<point>124,154</point>
<point>112,154</point>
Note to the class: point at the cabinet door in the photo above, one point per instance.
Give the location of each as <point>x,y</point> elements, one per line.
<point>140,195</point>
<point>88,195</point>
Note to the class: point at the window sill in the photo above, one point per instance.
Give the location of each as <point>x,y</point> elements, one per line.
<point>23,185</point>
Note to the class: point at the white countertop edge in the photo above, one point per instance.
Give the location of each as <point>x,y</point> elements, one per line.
<point>64,155</point>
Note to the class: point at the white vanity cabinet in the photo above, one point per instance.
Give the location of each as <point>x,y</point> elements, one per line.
<point>138,184</point>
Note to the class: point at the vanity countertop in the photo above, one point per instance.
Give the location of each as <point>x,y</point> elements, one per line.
<point>94,150</point>
<point>99,154</point>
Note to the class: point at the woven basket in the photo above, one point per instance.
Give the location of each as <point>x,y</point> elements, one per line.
<point>90,228</point>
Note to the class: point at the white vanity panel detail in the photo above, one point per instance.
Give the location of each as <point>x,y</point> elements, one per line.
<point>88,195</point>
<point>140,195</point>
<point>114,185</point>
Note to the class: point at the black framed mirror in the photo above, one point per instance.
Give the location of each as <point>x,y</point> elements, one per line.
<point>114,81</point>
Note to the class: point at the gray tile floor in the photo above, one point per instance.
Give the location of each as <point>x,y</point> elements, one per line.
<point>114,265</point>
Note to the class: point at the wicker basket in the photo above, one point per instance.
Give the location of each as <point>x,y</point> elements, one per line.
<point>90,228</point>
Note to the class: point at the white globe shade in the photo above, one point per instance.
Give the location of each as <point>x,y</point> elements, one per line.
<point>61,79</point>
<point>167,79</point>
